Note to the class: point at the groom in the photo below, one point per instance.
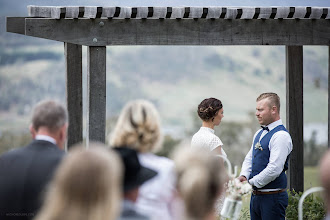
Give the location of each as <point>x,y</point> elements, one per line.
<point>265,164</point>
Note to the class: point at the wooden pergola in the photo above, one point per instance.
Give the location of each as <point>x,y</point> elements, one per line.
<point>98,27</point>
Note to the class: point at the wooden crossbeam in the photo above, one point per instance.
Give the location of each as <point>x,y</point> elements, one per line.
<point>103,32</point>
<point>93,12</point>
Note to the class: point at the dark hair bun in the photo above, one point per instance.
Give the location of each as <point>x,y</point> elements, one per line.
<point>208,108</point>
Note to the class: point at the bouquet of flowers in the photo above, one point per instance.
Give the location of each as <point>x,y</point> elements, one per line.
<point>233,201</point>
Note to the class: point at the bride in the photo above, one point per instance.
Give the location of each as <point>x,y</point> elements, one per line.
<point>211,112</point>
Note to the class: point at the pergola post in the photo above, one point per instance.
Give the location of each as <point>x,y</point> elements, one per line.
<point>295,116</point>
<point>73,64</point>
<point>96,86</point>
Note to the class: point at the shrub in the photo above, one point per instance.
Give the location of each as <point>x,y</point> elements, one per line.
<point>313,207</point>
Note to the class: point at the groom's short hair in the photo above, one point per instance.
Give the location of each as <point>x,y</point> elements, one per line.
<point>274,99</point>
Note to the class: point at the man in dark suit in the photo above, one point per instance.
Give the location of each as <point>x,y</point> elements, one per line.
<point>26,171</point>
<point>134,176</point>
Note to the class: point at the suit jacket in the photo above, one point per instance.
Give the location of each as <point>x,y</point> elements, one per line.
<point>129,212</point>
<point>24,175</point>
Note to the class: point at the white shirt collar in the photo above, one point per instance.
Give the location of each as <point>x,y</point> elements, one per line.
<point>208,129</point>
<point>274,124</point>
<point>45,138</point>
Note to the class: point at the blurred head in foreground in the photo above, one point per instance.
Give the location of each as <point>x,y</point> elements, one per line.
<point>200,179</point>
<point>86,186</point>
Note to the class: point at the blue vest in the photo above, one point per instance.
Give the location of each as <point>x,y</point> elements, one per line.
<point>260,159</point>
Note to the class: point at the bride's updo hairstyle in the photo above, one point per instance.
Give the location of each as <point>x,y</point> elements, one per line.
<point>209,108</point>
<point>199,180</point>
<point>138,126</point>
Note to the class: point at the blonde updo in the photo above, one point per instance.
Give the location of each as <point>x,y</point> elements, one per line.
<point>138,126</point>
<point>199,180</point>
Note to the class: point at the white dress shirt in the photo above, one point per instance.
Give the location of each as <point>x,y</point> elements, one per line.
<point>280,146</point>
<point>157,196</point>
<point>45,138</point>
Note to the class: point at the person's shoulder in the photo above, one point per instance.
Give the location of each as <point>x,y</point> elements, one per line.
<point>283,133</point>
<point>158,163</point>
<point>14,152</point>
<point>155,159</point>
<point>215,139</point>
<point>196,135</point>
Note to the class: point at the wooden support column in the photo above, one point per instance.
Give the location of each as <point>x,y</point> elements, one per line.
<point>96,86</point>
<point>73,58</point>
<point>295,116</point>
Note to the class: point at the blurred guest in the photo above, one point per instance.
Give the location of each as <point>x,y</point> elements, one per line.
<point>210,111</point>
<point>86,186</point>
<point>24,172</point>
<point>200,182</point>
<point>138,126</point>
<point>135,176</point>
<point>325,181</point>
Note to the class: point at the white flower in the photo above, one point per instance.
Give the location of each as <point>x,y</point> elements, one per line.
<point>258,146</point>
<point>236,189</point>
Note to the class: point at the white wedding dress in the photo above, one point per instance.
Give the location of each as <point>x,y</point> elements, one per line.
<point>206,139</point>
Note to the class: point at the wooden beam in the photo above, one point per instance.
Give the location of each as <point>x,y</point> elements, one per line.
<point>15,25</point>
<point>96,79</point>
<point>182,31</point>
<point>74,96</point>
<point>295,116</point>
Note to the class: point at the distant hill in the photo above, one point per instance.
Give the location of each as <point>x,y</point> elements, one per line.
<point>175,78</point>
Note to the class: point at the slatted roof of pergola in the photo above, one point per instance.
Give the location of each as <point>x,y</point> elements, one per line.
<point>98,27</point>
<point>180,12</point>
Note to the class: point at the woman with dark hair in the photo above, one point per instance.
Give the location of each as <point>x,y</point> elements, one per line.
<point>211,112</point>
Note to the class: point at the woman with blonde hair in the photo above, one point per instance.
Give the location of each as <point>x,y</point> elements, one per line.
<point>86,186</point>
<point>138,127</point>
<point>200,181</point>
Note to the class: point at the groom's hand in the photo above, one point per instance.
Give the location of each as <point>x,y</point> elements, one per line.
<point>242,178</point>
